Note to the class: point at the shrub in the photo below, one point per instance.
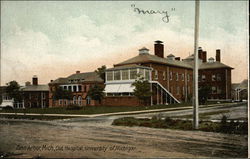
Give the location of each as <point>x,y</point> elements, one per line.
<point>8,108</point>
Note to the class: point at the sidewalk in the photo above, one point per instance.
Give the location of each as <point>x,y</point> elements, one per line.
<point>125,113</point>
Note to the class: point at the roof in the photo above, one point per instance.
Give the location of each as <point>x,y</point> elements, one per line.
<point>243,84</point>
<point>213,65</point>
<point>80,77</point>
<point>144,58</point>
<point>36,88</point>
<point>127,66</point>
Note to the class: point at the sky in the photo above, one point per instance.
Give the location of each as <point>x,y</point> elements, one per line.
<point>53,39</point>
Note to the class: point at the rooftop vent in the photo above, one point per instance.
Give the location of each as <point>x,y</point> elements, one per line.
<point>143,51</point>
<point>211,60</point>
<point>171,57</point>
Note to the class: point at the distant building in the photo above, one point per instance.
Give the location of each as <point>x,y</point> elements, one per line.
<point>79,84</point>
<point>5,99</point>
<point>35,95</point>
<point>240,90</point>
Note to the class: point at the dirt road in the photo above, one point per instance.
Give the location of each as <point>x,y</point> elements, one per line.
<point>96,137</point>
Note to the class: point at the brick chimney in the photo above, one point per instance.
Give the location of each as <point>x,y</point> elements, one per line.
<point>178,59</point>
<point>204,56</point>
<point>159,49</point>
<point>200,54</point>
<point>217,55</point>
<point>34,80</point>
<point>77,72</point>
<point>27,83</point>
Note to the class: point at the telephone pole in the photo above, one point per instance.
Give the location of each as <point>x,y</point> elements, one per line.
<point>196,66</point>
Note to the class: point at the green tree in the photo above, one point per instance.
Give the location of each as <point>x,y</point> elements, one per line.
<point>101,72</point>
<point>96,93</point>
<point>60,93</point>
<point>204,91</point>
<point>13,91</point>
<point>142,90</point>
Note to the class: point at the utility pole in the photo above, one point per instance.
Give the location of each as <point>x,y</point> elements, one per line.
<point>196,66</point>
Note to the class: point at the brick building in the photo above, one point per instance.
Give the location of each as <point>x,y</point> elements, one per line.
<point>171,78</point>
<point>79,84</point>
<point>35,95</point>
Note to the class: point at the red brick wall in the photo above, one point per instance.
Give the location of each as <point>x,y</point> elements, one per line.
<point>120,101</point>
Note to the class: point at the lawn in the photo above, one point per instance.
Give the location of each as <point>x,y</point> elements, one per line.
<point>92,109</point>
<point>33,117</point>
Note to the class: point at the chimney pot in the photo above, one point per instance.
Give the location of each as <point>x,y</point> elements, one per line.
<point>217,55</point>
<point>159,49</point>
<point>77,72</point>
<point>178,59</point>
<point>143,51</point>
<point>34,80</point>
<point>204,56</point>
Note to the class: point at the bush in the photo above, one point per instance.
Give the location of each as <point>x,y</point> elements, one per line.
<point>73,107</point>
<point>8,108</point>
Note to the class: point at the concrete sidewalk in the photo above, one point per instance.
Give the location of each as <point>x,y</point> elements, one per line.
<point>126,113</point>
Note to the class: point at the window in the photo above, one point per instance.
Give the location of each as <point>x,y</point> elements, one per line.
<point>177,76</point>
<point>188,77</point>
<point>64,87</point>
<point>84,88</point>
<point>170,75</point>
<point>79,88</point>
<point>74,88</point>
<point>65,102</point>
<point>213,77</point>
<point>182,77</point>
<point>183,90</point>
<point>177,90</point>
<point>218,77</point>
<point>79,100</point>
<point>219,90</point>
<point>141,72</point>
<point>164,75</point>
<point>147,75</point>
<point>74,100</point>
<point>214,90</point>
<point>43,95</point>
<point>124,74</point>
<point>156,75</point>
<point>110,76</point>
<point>133,73</point>
<point>60,101</point>
<point>117,75</point>
<point>203,77</point>
<point>199,78</point>
<point>188,89</point>
<point>70,88</point>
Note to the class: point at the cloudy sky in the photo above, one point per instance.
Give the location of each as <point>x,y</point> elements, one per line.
<point>53,39</point>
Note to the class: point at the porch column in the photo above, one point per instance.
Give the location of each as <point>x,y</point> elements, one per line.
<point>161,97</point>
<point>157,94</point>
<point>151,89</point>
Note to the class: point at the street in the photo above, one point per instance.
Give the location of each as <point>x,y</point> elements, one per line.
<point>96,137</point>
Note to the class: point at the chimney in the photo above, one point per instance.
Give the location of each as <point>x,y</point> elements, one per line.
<point>159,49</point>
<point>204,56</point>
<point>34,80</point>
<point>178,59</point>
<point>200,54</point>
<point>218,55</point>
<point>77,72</point>
<point>27,83</point>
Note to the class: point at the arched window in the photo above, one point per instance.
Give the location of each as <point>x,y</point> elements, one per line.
<point>79,100</point>
<point>74,100</point>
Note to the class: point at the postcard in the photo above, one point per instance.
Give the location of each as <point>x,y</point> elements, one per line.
<point>124,79</point>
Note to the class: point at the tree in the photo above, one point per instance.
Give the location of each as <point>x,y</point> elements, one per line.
<point>13,91</point>
<point>204,91</point>
<point>60,93</point>
<point>96,93</point>
<point>101,72</point>
<point>142,90</point>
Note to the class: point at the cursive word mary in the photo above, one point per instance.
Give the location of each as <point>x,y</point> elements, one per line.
<point>165,17</point>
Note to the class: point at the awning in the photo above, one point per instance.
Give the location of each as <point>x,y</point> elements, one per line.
<point>118,88</point>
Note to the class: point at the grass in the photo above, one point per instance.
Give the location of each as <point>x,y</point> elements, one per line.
<point>93,109</point>
<point>233,127</point>
<point>33,117</point>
